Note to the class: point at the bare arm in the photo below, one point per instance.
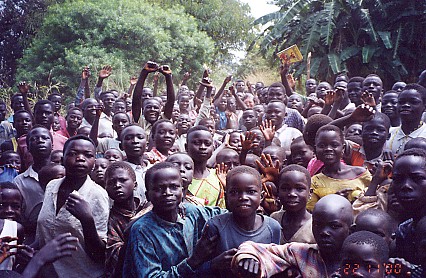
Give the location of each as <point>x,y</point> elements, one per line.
<point>137,94</point>
<point>168,107</point>
<point>283,73</point>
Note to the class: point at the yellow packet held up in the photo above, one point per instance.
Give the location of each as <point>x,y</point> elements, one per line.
<point>290,55</point>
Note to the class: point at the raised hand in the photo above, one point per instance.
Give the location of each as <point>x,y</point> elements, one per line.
<point>23,87</point>
<point>284,67</point>
<point>329,98</point>
<point>227,79</point>
<point>368,99</point>
<point>226,142</point>
<point>247,142</point>
<point>362,113</point>
<point>105,72</point>
<point>151,66</point>
<point>165,69</point>
<point>383,169</point>
<point>133,80</point>
<point>206,81</point>
<point>268,130</point>
<point>186,75</point>
<point>85,73</point>
<point>206,73</point>
<point>268,169</point>
<point>99,109</point>
<point>221,171</point>
<point>339,94</point>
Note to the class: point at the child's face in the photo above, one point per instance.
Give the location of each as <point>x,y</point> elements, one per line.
<point>410,105</point>
<point>57,102</point>
<point>354,130</point>
<point>184,102</point>
<point>330,229</point>
<point>165,136</point>
<point>56,125</point>
<point>174,148</point>
<point>10,204</point>
<point>275,156</point>
<point>22,123</point>
<point>119,185</point>
<point>79,158</point>
<point>85,130</point>
<point>43,115</point>
<point>119,106</point>
<point>222,104</point>
<point>210,125</point>
<point>409,182</point>
<point>293,191</point>
<point>361,260</point>
<point>133,141</point>
<point>373,84</point>
<point>56,157</point>
<point>295,102</point>
<point>98,172</point>
<point>231,159</point>
<point>390,104</point>
<point>183,123</point>
<point>258,142</point>
<point>275,112</point>
<point>40,143</point>
<point>186,166</point>
<point>301,154</point>
<point>151,110</point>
<point>322,89</point>
<point>329,147</point>
<point>119,122</point>
<point>235,141</point>
<point>374,132</point>
<point>200,145</point>
<point>13,159</point>
<point>355,92</point>
<point>243,195</point>
<point>249,119</point>
<point>113,155</point>
<point>166,193</point>
<point>74,119</point>
<point>374,224</point>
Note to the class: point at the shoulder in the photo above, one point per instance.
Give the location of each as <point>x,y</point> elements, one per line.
<point>271,222</point>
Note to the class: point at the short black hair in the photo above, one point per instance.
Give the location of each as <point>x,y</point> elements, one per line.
<point>331,128</point>
<point>151,172</point>
<point>195,129</point>
<point>14,96</point>
<point>74,108</point>
<point>131,125</point>
<point>52,94</point>
<point>46,174</point>
<point>77,137</point>
<point>391,92</point>
<point>121,113</point>
<point>384,217</point>
<point>356,79</point>
<point>157,123</point>
<point>416,87</point>
<point>412,152</point>
<point>312,125</point>
<point>43,102</point>
<point>203,121</point>
<point>11,185</point>
<point>365,237</point>
<point>27,139</point>
<point>280,151</point>
<point>120,165</point>
<point>380,116</point>
<point>418,142</point>
<point>246,170</point>
<point>5,154</point>
<point>297,168</point>
<point>22,112</point>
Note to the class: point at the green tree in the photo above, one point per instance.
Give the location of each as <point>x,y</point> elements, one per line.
<point>124,34</point>
<point>386,37</point>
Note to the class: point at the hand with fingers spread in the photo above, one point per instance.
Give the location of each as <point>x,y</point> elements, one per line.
<point>186,75</point>
<point>248,268</point>
<point>247,141</point>
<point>61,246</point>
<point>268,169</point>
<point>105,72</point>
<point>203,250</point>
<point>133,80</point>
<point>6,246</point>
<point>362,113</point>
<point>368,99</point>
<point>284,67</point>
<point>227,79</point>
<point>23,87</point>
<point>221,171</point>
<point>329,98</point>
<point>383,170</point>
<point>206,73</point>
<point>268,130</point>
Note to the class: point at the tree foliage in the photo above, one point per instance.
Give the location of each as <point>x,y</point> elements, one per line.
<point>386,37</point>
<point>124,34</point>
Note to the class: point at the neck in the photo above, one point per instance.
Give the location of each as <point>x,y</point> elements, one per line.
<point>334,168</point>
<point>344,103</point>
<point>75,182</point>
<point>169,216</point>
<point>395,121</point>
<point>410,126</point>
<point>296,215</point>
<point>107,112</point>
<point>164,152</point>
<point>40,163</point>
<point>199,169</point>
<point>372,151</point>
<point>71,131</point>
<point>246,223</point>
<point>134,159</point>
<point>90,118</point>
<point>128,204</point>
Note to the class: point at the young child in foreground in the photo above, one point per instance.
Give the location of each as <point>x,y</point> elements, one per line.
<point>242,223</point>
<point>331,221</point>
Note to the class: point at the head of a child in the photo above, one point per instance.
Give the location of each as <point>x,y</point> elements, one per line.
<point>276,92</point>
<point>22,122</point>
<point>277,154</point>
<point>235,140</point>
<point>411,103</point>
<point>275,112</point>
<point>11,158</point>
<point>74,118</point>
<point>314,110</point>
<point>164,189</point>
<point>399,86</point>
<point>354,129</point>
<point>251,159</point>
<point>409,181</point>
<point>186,166</point>
<point>84,130</point>
<point>108,100</point>
<point>376,221</point>
<point>133,142</point>
<point>312,126</point>
<point>39,142</point>
<point>310,86</point>
<point>418,142</point>
<point>56,125</point>
<point>164,135</point>
<point>295,101</point>
<point>120,180</point>
<point>119,121</point>
<point>258,141</point>
<point>364,254</point>
<point>43,113</point>
<point>98,172</point>
<point>56,156</point>
<point>294,188</point>
<point>332,218</point>
<point>113,155</point>
<point>10,201</point>
<point>199,144</point>
<point>322,89</point>
<point>375,131</point>
<point>183,123</point>
<point>79,157</point>
<point>300,152</point>
<point>50,172</point>
<point>119,106</point>
<point>229,157</point>
<point>355,89</point>
<point>329,144</point>
<point>243,191</point>
<point>209,123</point>
<point>249,118</point>
<point>390,104</point>
<point>373,84</point>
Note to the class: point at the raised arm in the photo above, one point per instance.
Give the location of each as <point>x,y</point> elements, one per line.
<point>103,74</point>
<point>83,88</point>
<point>239,102</point>
<point>219,93</point>
<point>95,126</point>
<point>168,107</point>
<point>24,88</point>
<point>133,81</point>
<point>283,73</point>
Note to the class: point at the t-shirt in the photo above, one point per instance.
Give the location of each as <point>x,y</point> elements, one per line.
<point>208,189</point>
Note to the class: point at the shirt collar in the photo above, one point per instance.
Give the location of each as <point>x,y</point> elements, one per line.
<point>31,173</point>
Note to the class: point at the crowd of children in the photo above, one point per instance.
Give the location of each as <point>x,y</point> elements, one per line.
<point>249,180</point>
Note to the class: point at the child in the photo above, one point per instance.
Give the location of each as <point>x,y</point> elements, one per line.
<point>50,172</point>
<point>235,140</point>
<point>56,125</point>
<point>294,186</point>
<point>120,181</point>
<point>389,107</point>
<point>74,119</point>
<point>228,157</point>
<point>168,247</point>
<point>113,155</point>
<point>355,90</point>
<point>11,158</point>
<point>336,177</point>
<point>56,156</point>
<point>331,221</point>
<point>249,119</point>
<point>77,205</point>
<point>184,162</point>
<point>411,104</point>
<point>277,154</point>
<point>163,136</point>
<point>300,152</point>
<point>364,254</point>
<point>205,183</point>
<point>376,221</point>
<point>242,223</point>
<point>98,172</point>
